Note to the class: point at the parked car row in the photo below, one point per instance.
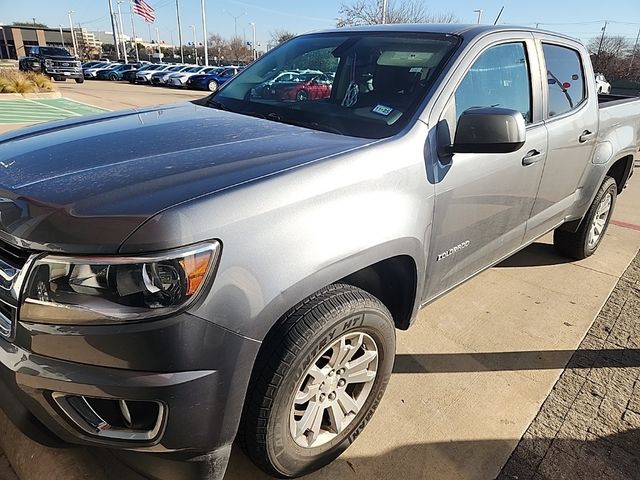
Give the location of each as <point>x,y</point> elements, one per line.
<point>170,75</point>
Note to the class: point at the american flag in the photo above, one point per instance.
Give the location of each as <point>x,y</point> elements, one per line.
<point>145,10</point>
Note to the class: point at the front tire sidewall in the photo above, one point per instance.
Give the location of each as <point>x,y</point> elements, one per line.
<point>285,454</point>
<point>611,188</point>
<point>213,86</point>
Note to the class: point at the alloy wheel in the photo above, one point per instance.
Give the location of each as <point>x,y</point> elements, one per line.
<point>334,389</point>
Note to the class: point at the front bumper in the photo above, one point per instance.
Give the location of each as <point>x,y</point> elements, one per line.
<point>174,82</point>
<point>198,371</point>
<point>59,74</point>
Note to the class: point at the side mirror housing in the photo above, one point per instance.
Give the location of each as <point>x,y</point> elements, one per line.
<point>489,130</point>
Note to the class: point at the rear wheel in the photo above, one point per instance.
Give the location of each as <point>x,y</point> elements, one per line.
<point>319,378</point>
<point>113,76</point>
<point>586,240</point>
<point>213,86</point>
<point>302,96</point>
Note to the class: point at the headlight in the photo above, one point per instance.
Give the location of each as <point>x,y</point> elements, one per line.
<point>101,290</point>
<point>48,63</point>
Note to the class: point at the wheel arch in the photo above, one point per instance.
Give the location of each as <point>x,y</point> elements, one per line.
<point>621,170</point>
<point>393,281</point>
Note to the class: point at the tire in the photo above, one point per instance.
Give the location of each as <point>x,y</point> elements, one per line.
<point>586,240</point>
<point>302,96</point>
<point>79,80</point>
<point>213,86</point>
<point>113,77</point>
<point>271,432</point>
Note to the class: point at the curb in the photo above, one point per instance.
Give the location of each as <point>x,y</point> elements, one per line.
<point>13,96</point>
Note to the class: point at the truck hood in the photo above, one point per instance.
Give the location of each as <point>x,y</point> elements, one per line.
<point>84,185</point>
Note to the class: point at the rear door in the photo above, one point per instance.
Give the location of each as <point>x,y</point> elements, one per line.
<point>571,119</point>
<point>483,201</point>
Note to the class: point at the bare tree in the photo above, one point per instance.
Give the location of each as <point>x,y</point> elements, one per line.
<point>280,36</point>
<point>216,46</point>
<point>611,55</point>
<point>369,12</point>
<point>237,50</point>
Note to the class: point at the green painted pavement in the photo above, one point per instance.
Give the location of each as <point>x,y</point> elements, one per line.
<point>42,110</point>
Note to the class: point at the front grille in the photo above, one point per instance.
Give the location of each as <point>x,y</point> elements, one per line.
<point>13,255</point>
<point>12,260</point>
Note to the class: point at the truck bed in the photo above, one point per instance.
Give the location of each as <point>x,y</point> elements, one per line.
<point>609,100</point>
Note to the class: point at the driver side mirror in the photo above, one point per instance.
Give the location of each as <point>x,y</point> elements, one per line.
<point>489,130</point>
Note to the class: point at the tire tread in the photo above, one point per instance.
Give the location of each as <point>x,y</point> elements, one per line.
<point>288,337</point>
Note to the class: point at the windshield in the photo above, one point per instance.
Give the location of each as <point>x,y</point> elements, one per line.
<point>55,51</point>
<point>361,84</point>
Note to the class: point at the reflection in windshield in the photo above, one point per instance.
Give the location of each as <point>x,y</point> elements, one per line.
<point>360,84</point>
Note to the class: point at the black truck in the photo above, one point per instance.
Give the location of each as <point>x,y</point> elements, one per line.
<point>54,62</point>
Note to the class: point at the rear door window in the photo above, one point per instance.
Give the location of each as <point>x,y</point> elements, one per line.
<point>565,79</point>
<point>498,78</point>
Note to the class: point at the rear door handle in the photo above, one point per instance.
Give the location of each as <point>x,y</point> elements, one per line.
<point>531,157</point>
<point>586,135</point>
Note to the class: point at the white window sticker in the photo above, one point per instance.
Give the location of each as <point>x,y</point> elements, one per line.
<point>382,110</point>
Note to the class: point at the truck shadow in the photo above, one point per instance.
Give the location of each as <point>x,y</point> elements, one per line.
<point>535,255</point>
<point>509,361</point>
<point>614,456</point>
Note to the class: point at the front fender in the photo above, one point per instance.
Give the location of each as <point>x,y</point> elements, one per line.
<point>289,235</point>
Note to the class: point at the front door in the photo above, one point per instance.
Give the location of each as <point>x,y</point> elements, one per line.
<point>483,201</point>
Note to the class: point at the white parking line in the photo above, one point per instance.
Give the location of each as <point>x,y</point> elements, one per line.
<point>54,107</point>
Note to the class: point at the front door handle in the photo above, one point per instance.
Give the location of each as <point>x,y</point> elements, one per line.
<point>532,157</point>
<point>586,135</point>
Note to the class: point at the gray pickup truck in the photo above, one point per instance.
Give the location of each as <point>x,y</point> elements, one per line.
<point>178,277</point>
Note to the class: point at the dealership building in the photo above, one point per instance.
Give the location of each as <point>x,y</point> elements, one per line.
<point>15,41</point>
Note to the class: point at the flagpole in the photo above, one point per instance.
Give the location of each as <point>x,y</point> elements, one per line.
<point>133,29</point>
<point>151,41</point>
<point>204,33</point>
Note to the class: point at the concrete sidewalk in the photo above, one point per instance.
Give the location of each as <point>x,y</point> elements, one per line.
<point>589,426</point>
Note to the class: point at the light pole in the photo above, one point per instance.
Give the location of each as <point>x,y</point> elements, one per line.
<point>253,45</point>
<point>115,30</point>
<point>179,31</point>
<point>73,35</point>
<point>195,43</point>
<point>61,36</point>
<point>479,12</point>
<point>204,32</point>
<point>384,11</point>
<point>235,20</point>
<point>158,40</point>
<point>121,28</point>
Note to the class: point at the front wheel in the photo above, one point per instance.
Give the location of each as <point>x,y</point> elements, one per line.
<point>585,241</point>
<point>113,77</point>
<point>319,378</point>
<point>213,86</point>
<point>79,80</point>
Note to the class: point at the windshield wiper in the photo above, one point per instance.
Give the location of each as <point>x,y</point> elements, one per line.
<point>216,104</point>
<point>302,123</point>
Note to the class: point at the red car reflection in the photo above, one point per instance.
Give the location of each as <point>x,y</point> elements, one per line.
<point>302,88</point>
